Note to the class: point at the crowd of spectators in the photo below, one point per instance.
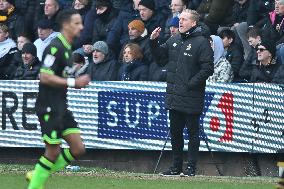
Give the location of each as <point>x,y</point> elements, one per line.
<point>246,36</point>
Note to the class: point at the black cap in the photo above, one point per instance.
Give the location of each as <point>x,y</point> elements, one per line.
<point>12,2</point>
<point>103,3</point>
<point>45,24</point>
<point>150,4</point>
<point>29,48</point>
<point>270,46</point>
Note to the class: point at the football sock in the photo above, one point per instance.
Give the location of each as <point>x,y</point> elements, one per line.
<point>41,173</point>
<point>63,159</point>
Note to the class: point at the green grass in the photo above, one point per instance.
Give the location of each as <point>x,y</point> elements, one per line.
<point>12,177</point>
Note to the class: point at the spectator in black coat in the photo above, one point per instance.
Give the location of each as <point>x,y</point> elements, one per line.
<point>29,69</point>
<point>258,11</point>
<point>138,35</point>
<point>189,57</point>
<point>233,52</point>
<point>22,39</point>
<point>106,16</point>
<point>267,66</point>
<point>118,34</point>
<point>240,11</point>
<point>50,11</point>
<point>26,10</point>
<point>215,13</point>
<point>274,24</point>
<point>132,68</point>
<point>152,18</point>
<point>10,17</point>
<point>8,49</point>
<point>103,67</point>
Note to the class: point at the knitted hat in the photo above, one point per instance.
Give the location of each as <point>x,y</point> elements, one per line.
<point>12,2</point>
<point>150,4</point>
<point>270,46</point>
<point>101,46</point>
<point>103,3</point>
<point>29,48</point>
<point>138,25</point>
<point>45,24</point>
<point>174,22</point>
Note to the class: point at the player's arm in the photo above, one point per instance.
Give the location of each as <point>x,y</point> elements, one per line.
<point>56,81</point>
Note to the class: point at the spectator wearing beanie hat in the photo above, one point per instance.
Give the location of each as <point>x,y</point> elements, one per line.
<point>101,46</point>
<point>146,9</point>
<point>138,35</point>
<point>45,36</point>
<point>267,67</point>
<point>28,52</point>
<point>104,66</point>
<point>151,18</point>
<point>174,25</point>
<point>29,69</point>
<point>135,29</point>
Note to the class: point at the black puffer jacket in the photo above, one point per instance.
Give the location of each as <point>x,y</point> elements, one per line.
<point>258,10</point>
<point>264,74</point>
<point>246,68</point>
<point>29,71</point>
<point>103,23</point>
<point>104,71</point>
<point>190,62</point>
<point>133,71</point>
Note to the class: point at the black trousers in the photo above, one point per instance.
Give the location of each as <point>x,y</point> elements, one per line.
<point>178,121</point>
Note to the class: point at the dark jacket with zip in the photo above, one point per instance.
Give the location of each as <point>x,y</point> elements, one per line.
<point>104,71</point>
<point>189,59</point>
<point>28,71</point>
<point>133,71</point>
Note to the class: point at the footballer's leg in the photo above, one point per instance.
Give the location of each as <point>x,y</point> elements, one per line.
<point>43,167</point>
<point>71,135</point>
<point>51,136</point>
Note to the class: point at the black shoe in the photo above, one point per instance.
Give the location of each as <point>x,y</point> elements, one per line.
<point>189,171</point>
<point>173,171</point>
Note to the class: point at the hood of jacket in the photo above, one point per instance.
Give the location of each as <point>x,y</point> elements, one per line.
<point>218,48</point>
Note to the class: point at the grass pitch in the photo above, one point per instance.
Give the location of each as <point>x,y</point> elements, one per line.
<point>13,177</point>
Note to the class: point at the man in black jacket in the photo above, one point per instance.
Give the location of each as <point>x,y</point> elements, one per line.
<point>30,64</point>
<point>190,62</point>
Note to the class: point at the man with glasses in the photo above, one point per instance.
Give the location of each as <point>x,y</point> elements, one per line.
<point>177,6</point>
<point>266,66</point>
<point>189,58</point>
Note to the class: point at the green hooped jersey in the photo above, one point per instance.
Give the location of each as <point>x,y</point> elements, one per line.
<point>56,58</point>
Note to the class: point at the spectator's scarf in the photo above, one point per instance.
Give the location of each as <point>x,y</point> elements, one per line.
<point>6,46</point>
<point>4,16</point>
